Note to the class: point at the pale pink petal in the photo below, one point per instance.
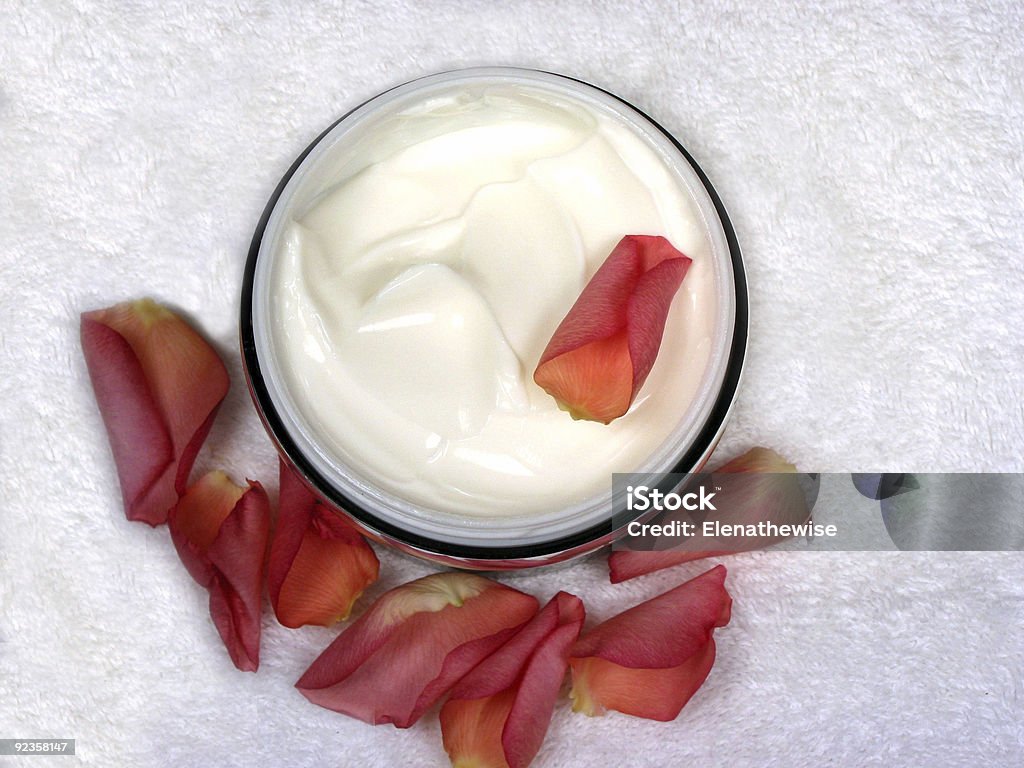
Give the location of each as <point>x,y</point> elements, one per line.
<point>158,385</point>
<point>412,645</point>
<point>319,564</point>
<point>221,533</point>
<point>649,660</point>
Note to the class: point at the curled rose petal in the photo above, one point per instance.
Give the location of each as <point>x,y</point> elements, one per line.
<point>158,385</point>
<point>498,714</point>
<point>770,490</point>
<point>648,661</point>
<point>412,645</point>
<point>220,531</point>
<point>319,564</point>
<point>601,353</point>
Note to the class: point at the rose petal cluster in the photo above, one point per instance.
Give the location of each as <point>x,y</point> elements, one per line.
<point>483,647</point>
<point>502,662</point>
<point>159,385</point>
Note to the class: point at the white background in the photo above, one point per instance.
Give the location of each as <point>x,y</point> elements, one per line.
<point>871,159</point>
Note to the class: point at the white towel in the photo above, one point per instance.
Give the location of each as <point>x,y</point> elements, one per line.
<point>871,158</point>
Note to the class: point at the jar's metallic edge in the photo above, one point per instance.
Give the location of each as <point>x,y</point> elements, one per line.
<point>481,557</point>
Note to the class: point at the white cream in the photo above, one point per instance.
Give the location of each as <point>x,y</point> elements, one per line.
<point>412,297</point>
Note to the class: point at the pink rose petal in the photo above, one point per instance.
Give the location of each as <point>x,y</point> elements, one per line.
<point>319,563</point>
<point>413,645</point>
<point>221,532</point>
<point>158,385</point>
<point>649,660</point>
<point>604,348</point>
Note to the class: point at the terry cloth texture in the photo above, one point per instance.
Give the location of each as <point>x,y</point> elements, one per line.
<point>870,155</point>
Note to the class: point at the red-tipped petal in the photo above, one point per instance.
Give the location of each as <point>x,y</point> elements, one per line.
<point>648,661</point>
<point>773,494</point>
<point>604,348</point>
<point>319,564</point>
<point>221,531</point>
<point>158,385</point>
<point>499,713</point>
<point>412,645</point>
<point>626,564</point>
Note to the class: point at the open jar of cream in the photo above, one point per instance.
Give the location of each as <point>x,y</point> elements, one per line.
<point>410,269</point>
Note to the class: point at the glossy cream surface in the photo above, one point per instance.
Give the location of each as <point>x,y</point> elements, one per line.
<point>415,288</point>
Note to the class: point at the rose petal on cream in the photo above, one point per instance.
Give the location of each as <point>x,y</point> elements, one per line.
<point>773,492</point>
<point>221,533</point>
<point>319,564</point>
<point>412,645</point>
<point>604,348</point>
<point>158,385</point>
<point>499,713</point>
<point>649,660</point>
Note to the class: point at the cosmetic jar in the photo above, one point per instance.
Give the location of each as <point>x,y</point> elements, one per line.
<point>355,144</point>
